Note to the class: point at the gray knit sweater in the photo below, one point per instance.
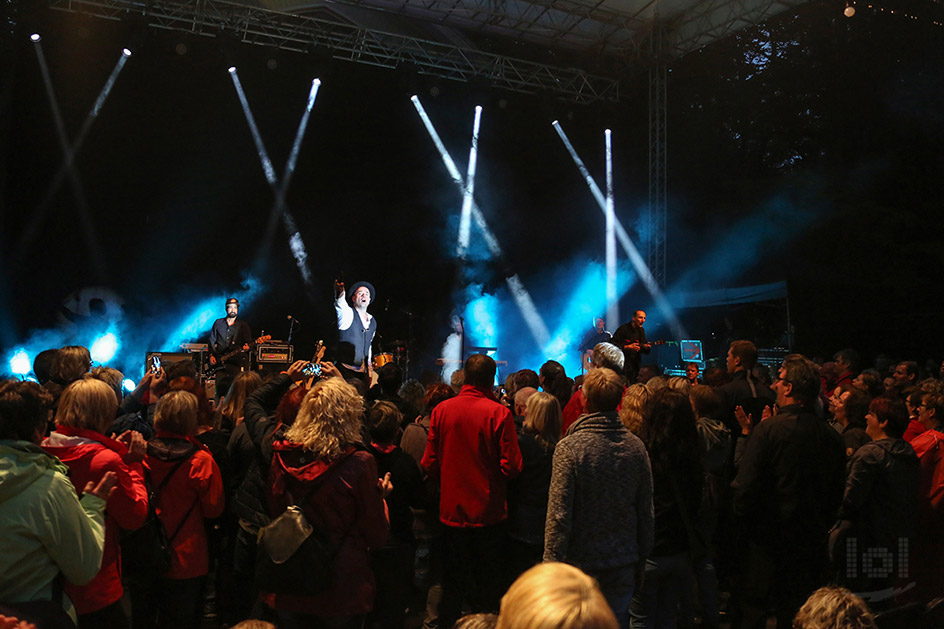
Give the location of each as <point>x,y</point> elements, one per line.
<point>599,511</point>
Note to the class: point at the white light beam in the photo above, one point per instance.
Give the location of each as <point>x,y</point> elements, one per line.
<point>612,301</point>
<point>522,298</point>
<point>465,223</point>
<point>296,244</point>
<point>634,257</point>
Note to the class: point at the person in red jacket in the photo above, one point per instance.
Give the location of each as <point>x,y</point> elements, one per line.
<point>193,491</point>
<point>86,409</point>
<point>927,553</point>
<point>473,450</point>
<point>318,467</point>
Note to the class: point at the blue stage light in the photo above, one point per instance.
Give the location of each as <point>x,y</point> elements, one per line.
<point>482,313</point>
<point>20,362</point>
<point>104,347</point>
<point>128,384</point>
<point>199,319</point>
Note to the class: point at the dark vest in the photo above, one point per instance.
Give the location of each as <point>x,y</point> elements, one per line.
<point>359,337</point>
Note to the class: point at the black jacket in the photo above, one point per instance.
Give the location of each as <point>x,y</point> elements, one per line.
<point>527,493</point>
<point>880,495</point>
<point>250,451</point>
<point>739,392</point>
<point>790,482</point>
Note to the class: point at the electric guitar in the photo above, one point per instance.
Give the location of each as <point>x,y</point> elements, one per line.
<point>221,360</point>
<point>651,343</point>
<point>313,368</point>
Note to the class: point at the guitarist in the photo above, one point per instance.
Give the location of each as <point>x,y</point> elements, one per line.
<point>596,335</point>
<point>631,338</point>
<point>229,334</point>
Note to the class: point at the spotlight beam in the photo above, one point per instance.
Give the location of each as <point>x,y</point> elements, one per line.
<point>296,243</point>
<point>522,298</point>
<point>634,257</point>
<point>612,302</point>
<point>279,207</point>
<point>465,226</point>
<point>69,163</point>
<point>68,166</point>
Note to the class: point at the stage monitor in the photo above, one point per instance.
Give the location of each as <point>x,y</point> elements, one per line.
<point>691,351</point>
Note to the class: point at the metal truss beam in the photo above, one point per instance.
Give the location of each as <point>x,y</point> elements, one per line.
<point>657,155</point>
<point>354,43</point>
<point>565,24</point>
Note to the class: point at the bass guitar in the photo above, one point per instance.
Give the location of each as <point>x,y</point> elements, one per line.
<point>650,343</point>
<point>221,360</point>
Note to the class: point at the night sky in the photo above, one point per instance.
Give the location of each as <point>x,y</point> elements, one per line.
<point>807,150</point>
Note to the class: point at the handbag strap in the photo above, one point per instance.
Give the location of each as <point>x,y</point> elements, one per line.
<point>315,485</point>
<point>155,493</point>
<point>182,522</point>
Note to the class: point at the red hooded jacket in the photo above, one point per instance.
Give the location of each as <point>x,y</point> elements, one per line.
<point>347,505</point>
<point>89,455</point>
<point>193,493</point>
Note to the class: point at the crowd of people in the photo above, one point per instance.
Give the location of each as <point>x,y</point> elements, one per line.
<point>729,496</point>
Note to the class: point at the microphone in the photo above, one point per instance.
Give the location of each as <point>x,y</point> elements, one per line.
<point>293,319</point>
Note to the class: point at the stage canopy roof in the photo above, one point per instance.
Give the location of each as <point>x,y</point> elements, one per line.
<point>574,49</point>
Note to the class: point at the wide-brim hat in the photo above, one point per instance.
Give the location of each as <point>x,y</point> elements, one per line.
<point>353,289</point>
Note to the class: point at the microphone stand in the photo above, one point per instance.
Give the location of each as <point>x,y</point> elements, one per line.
<point>291,329</point>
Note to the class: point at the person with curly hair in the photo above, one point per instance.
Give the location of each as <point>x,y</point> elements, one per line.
<point>319,467</point>
<point>834,607</point>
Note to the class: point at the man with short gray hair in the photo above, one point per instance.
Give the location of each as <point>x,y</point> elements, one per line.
<point>605,355</point>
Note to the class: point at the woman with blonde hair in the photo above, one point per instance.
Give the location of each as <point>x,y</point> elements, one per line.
<point>634,401</point>
<point>527,493</point>
<point>86,410</point>
<point>318,467</point>
<point>555,595</point>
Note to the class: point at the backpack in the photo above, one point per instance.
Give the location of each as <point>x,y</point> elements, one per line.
<point>295,556</point>
<point>146,552</point>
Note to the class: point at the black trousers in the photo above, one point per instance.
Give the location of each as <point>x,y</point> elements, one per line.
<point>110,617</point>
<point>471,571</point>
<point>781,578</point>
<point>167,603</point>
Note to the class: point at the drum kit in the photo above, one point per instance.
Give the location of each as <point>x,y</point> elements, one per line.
<point>396,352</point>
